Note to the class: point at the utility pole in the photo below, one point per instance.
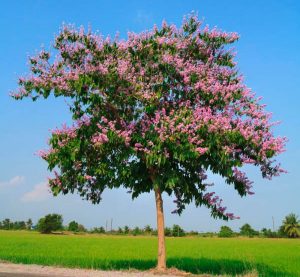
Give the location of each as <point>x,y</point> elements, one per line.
<point>273,224</point>
<point>106,226</point>
<point>111,222</point>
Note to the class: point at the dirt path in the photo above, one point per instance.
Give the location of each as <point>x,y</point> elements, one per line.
<point>21,270</point>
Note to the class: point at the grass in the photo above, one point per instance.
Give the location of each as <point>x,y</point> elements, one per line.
<point>269,257</point>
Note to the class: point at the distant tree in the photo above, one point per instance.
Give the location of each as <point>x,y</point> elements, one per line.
<point>281,233</point>
<point>29,224</point>
<point>193,233</point>
<point>177,231</point>
<point>6,223</point>
<point>247,230</point>
<point>120,230</point>
<point>168,232</point>
<point>18,225</point>
<point>73,226</point>
<point>268,233</point>
<point>50,223</point>
<point>225,232</point>
<point>207,234</point>
<point>99,230</point>
<point>136,231</point>
<point>81,228</point>
<point>153,112</point>
<point>126,229</point>
<point>148,229</point>
<point>291,226</point>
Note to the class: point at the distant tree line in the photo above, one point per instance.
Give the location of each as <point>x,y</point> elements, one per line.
<point>290,228</point>
<point>7,224</point>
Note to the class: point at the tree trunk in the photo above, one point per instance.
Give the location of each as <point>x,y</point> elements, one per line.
<point>161,260</point>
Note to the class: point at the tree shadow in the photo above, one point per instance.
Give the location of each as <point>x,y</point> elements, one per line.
<point>197,266</point>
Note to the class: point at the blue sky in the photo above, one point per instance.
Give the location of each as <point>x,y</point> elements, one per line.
<point>268,56</point>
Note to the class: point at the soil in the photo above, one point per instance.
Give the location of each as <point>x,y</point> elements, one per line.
<point>21,270</point>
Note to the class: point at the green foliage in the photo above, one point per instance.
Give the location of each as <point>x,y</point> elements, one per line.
<point>247,230</point>
<point>120,230</point>
<point>136,231</point>
<point>193,233</point>
<point>159,109</point>
<point>168,232</point>
<point>291,226</point>
<point>73,226</point>
<point>81,228</point>
<point>268,233</point>
<point>50,223</point>
<point>6,224</point>
<point>177,231</point>
<point>98,230</point>
<point>148,229</point>
<point>126,229</point>
<point>29,224</point>
<point>19,225</point>
<point>225,232</point>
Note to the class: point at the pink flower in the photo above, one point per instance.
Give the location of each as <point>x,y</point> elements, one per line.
<point>201,150</point>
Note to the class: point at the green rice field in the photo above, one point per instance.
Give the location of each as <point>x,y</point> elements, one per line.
<point>268,257</point>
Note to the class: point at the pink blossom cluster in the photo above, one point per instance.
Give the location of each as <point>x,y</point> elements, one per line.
<point>216,202</point>
<point>241,177</point>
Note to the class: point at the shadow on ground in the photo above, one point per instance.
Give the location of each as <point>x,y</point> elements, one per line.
<point>198,266</point>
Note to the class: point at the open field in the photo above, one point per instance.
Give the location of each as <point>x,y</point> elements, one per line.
<point>269,257</point>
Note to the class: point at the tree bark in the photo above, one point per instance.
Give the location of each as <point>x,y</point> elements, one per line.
<point>161,260</point>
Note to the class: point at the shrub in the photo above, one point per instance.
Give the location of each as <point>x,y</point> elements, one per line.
<point>73,226</point>
<point>50,223</point>
<point>225,232</point>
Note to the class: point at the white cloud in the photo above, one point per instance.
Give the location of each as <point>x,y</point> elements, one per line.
<point>15,181</point>
<point>39,193</point>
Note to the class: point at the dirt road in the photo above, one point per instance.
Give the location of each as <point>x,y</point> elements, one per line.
<point>21,270</point>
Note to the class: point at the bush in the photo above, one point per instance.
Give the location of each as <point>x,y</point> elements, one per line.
<point>193,233</point>
<point>99,230</point>
<point>148,230</point>
<point>126,230</point>
<point>246,230</point>
<point>225,232</point>
<point>50,223</point>
<point>81,228</point>
<point>177,231</point>
<point>73,226</point>
<point>168,232</point>
<point>136,231</point>
<point>268,233</point>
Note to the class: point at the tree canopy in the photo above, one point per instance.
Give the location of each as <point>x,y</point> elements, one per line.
<point>247,230</point>
<point>50,223</point>
<point>225,232</point>
<point>156,110</point>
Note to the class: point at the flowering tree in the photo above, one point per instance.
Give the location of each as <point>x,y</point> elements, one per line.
<point>153,112</point>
